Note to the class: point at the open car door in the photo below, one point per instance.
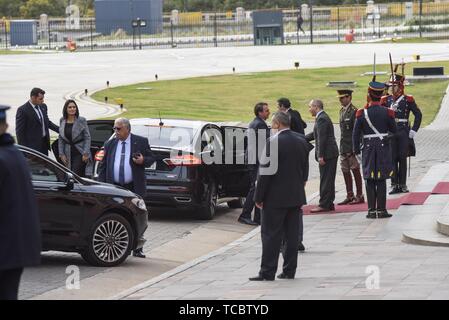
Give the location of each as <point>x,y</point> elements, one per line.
<point>234,171</point>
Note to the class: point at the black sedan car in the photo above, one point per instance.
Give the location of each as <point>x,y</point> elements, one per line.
<point>100,221</point>
<point>181,178</point>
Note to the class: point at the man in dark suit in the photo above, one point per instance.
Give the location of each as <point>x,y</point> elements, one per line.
<point>281,194</point>
<point>32,123</point>
<point>258,132</point>
<point>20,234</point>
<point>124,162</point>
<point>326,153</point>
<point>296,122</point>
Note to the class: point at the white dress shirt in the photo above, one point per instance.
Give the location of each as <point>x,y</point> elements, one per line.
<point>40,116</point>
<point>319,112</point>
<point>118,154</point>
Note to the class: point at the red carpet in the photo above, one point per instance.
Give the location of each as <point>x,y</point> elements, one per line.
<point>412,198</point>
<point>441,188</point>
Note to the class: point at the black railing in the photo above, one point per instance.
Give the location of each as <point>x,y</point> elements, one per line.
<point>321,24</point>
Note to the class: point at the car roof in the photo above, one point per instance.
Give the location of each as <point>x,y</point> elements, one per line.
<point>194,124</point>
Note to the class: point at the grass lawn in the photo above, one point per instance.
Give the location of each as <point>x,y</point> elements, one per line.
<point>232,97</point>
<point>9,52</point>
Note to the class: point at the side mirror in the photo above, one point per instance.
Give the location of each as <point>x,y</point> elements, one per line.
<point>69,181</point>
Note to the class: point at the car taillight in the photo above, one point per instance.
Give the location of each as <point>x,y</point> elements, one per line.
<point>99,155</point>
<point>185,160</point>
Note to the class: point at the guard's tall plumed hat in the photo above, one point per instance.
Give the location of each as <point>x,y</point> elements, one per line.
<point>376,89</point>
<point>344,93</point>
<point>396,77</point>
<point>3,109</point>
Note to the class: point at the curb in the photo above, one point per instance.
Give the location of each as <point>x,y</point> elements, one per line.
<point>185,266</point>
<point>79,96</point>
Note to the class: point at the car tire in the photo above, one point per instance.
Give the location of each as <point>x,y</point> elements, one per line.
<point>104,248</point>
<point>237,203</point>
<point>207,211</point>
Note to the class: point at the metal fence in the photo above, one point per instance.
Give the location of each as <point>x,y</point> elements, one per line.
<point>319,24</point>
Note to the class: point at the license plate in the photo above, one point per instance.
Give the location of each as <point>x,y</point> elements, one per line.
<point>152,167</point>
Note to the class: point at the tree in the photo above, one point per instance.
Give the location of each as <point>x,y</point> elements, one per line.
<point>34,8</point>
<point>10,8</point>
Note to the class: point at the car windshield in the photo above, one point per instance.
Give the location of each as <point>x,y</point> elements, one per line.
<point>165,136</point>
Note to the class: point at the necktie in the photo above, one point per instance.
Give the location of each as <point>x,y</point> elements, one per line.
<point>39,114</point>
<point>121,175</point>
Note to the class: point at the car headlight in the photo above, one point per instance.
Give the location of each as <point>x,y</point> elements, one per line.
<point>139,203</point>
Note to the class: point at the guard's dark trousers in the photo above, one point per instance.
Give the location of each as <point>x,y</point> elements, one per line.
<point>277,223</point>
<point>376,192</point>
<point>9,283</point>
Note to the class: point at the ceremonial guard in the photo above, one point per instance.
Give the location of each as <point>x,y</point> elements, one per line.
<point>373,124</point>
<point>401,104</point>
<point>348,160</point>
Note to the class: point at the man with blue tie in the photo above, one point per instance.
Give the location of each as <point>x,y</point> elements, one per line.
<point>32,123</point>
<point>124,162</point>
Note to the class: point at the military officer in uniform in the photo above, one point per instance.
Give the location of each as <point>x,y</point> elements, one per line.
<point>348,160</point>
<point>401,104</point>
<point>20,234</point>
<point>373,124</point>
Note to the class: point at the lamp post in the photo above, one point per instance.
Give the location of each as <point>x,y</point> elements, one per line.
<point>420,18</point>
<point>311,20</point>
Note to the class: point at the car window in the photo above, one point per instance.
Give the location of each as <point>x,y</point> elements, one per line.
<point>100,133</point>
<point>165,136</point>
<point>212,140</point>
<point>42,170</point>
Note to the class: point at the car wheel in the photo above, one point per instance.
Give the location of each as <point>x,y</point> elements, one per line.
<point>110,241</point>
<point>207,211</point>
<point>237,203</point>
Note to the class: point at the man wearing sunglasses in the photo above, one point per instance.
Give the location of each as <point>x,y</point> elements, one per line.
<point>124,162</point>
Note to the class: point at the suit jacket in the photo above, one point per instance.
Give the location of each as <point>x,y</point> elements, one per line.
<point>138,145</point>
<point>285,188</point>
<point>258,127</point>
<point>20,232</point>
<point>81,137</point>
<point>296,122</point>
<point>29,127</point>
<point>323,134</point>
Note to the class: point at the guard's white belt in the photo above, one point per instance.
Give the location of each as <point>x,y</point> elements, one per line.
<point>401,120</point>
<point>369,136</point>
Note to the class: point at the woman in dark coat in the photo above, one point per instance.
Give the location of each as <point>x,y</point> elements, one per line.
<point>74,141</point>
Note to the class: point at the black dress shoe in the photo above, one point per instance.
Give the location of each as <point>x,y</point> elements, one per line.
<point>138,254</point>
<point>404,189</point>
<point>395,190</point>
<point>301,247</point>
<point>260,278</point>
<point>372,214</point>
<point>247,221</point>
<point>285,276</point>
<point>382,214</point>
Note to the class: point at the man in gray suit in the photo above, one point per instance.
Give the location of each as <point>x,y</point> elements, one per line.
<point>326,153</point>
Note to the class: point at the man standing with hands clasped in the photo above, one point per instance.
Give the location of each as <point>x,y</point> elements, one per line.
<point>348,160</point>
<point>280,195</point>
<point>124,161</point>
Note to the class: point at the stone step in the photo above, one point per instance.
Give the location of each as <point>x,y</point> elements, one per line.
<point>443,221</point>
<point>430,223</point>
